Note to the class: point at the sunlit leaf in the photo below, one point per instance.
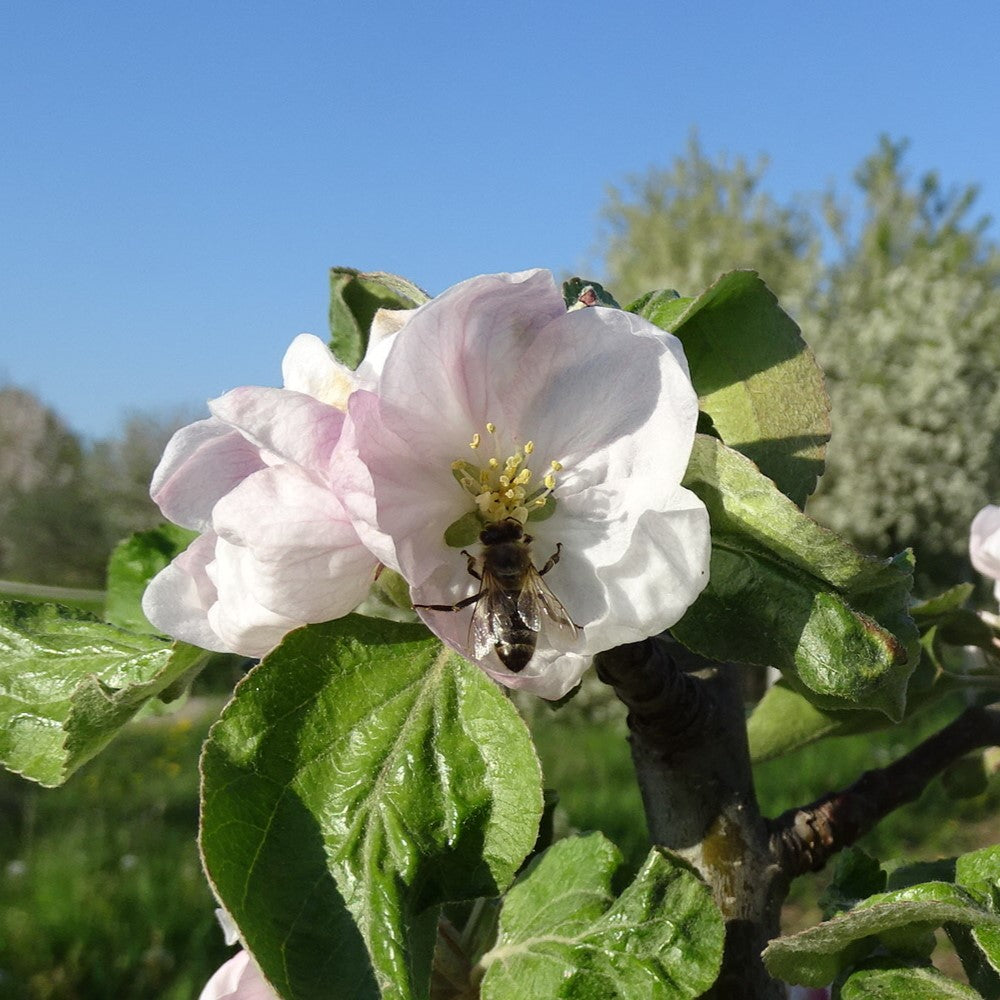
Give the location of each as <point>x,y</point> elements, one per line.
<point>361,776</point>
<point>562,934</point>
<point>69,682</point>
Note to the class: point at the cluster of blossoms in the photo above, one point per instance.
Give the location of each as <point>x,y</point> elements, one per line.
<point>490,405</point>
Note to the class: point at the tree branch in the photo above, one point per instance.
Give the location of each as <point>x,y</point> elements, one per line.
<point>804,839</point>
<point>687,731</point>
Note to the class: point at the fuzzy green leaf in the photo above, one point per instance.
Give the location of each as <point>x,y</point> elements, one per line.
<point>355,297</point>
<point>563,935</point>
<point>755,377</point>
<point>815,956</point>
<point>785,592</point>
<point>883,980</point>
<point>69,682</point>
<point>361,776</point>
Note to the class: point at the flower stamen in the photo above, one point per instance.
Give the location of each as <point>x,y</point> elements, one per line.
<point>501,487</point>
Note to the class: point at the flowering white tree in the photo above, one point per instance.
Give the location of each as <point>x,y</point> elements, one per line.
<point>498,488</point>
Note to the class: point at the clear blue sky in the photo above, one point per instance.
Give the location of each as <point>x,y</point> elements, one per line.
<point>175,179</point>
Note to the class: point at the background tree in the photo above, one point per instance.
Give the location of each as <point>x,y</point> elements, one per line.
<point>51,527</point>
<point>906,328</point>
<point>902,310</point>
<point>119,469</point>
<point>64,504</point>
<point>683,226</point>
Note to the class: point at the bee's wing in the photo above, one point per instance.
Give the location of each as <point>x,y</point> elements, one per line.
<point>491,620</point>
<point>536,597</point>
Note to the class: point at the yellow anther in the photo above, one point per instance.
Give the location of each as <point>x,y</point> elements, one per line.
<point>500,485</point>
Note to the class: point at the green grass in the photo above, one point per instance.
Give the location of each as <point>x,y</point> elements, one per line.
<point>102,894</point>
<point>101,890</point>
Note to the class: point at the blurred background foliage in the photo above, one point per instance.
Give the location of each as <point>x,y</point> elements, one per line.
<point>896,285</point>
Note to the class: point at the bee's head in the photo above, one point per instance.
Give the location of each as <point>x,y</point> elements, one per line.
<point>507,530</point>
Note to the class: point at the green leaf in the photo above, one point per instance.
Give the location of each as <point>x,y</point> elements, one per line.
<point>815,956</point>
<point>69,682</point>
<point>884,980</point>
<point>581,292</point>
<point>978,872</point>
<point>563,935</point>
<point>355,297</point>
<point>663,308</point>
<point>134,562</point>
<point>856,876</point>
<point>361,776</point>
<point>755,377</point>
<point>785,592</point>
<point>785,720</point>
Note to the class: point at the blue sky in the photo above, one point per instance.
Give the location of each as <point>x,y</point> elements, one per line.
<point>175,179</point>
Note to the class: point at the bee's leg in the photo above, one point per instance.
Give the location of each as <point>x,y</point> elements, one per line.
<point>472,565</point>
<point>552,561</point>
<point>450,607</point>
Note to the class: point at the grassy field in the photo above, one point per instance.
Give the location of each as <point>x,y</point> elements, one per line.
<point>101,891</point>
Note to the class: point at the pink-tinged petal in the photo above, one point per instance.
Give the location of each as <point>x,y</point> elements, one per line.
<point>353,480</point>
<point>238,979</point>
<point>242,623</point>
<point>290,425</point>
<point>304,559</point>
<point>459,351</point>
<point>178,599</point>
<point>309,367</point>
<point>201,463</point>
<point>401,498</point>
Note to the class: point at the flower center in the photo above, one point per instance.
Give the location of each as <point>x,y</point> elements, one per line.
<point>503,487</point>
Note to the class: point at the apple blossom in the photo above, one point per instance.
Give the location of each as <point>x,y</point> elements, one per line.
<point>497,405</point>
<point>238,979</point>
<point>984,544</point>
<point>276,549</point>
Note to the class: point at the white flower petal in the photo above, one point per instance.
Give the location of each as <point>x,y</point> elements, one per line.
<point>178,599</point>
<point>304,559</point>
<point>309,367</point>
<point>291,425</point>
<point>200,464</point>
<point>242,622</point>
<point>984,544</point>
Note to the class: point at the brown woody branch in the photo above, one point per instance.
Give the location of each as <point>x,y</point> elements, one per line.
<point>688,737</point>
<point>804,839</point>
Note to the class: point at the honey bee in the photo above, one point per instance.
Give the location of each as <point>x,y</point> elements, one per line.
<point>512,596</point>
